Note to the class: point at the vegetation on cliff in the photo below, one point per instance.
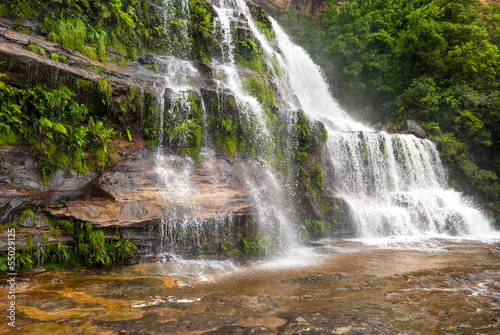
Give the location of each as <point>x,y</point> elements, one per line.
<point>89,247</point>
<point>129,27</point>
<point>56,127</point>
<point>437,62</point>
<point>70,117</point>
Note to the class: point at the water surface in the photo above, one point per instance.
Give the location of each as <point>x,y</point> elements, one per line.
<point>335,286</point>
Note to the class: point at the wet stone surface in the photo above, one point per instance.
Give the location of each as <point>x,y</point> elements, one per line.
<point>361,290</point>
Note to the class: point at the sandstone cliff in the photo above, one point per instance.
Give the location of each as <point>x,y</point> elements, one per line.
<point>303,6</point>
<point>192,195</point>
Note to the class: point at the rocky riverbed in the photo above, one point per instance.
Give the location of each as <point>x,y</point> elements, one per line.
<point>334,287</point>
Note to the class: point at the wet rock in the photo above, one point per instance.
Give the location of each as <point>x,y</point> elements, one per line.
<point>412,127</point>
<point>43,69</point>
<point>132,192</point>
<point>22,187</point>
<point>316,279</point>
<point>325,322</point>
<point>462,280</point>
<point>239,330</point>
<point>388,128</point>
<point>187,324</point>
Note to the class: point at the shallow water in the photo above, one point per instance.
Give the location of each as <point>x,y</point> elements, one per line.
<point>335,286</point>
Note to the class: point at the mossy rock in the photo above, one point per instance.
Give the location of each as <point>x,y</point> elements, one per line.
<point>182,121</point>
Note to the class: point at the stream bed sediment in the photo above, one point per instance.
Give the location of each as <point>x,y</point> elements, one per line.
<point>333,287</point>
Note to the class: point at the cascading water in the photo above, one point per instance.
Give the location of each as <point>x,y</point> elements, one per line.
<point>269,200</point>
<point>179,89</point>
<point>394,185</point>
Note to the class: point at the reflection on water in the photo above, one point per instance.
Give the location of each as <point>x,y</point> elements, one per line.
<point>335,286</point>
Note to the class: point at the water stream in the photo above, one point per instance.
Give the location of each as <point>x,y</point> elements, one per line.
<point>394,185</point>
<point>424,259</point>
<point>336,287</point>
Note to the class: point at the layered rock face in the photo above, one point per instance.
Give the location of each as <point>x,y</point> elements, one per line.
<point>148,186</point>
<point>213,172</point>
<point>304,6</point>
<point>22,187</point>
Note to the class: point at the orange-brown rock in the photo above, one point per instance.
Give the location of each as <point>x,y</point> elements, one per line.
<point>147,187</point>
<point>22,187</point>
<point>304,6</point>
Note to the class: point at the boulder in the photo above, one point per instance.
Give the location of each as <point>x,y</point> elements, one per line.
<point>412,127</point>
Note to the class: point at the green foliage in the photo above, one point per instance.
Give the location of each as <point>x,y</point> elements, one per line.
<point>121,250</point>
<point>486,181</point>
<point>129,136</point>
<point>314,229</point>
<point>72,33</point>
<point>90,248</point>
<point>53,124</point>
<point>437,62</point>
<point>254,246</point>
<point>27,215</point>
<point>19,9</point>
<point>128,26</point>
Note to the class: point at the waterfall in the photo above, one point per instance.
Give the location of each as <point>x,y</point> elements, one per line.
<point>394,185</point>
<point>266,190</point>
<point>175,99</point>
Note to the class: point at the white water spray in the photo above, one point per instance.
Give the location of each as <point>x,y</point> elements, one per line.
<point>394,185</point>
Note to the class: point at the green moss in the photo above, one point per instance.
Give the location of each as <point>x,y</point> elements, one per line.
<point>182,124</point>
<point>310,143</point>
<point>130,110</point>
<point>105,91</point>
<point>262,20</point>
<point>262,91</point>
<point>202,13</point>
<point>99,69</point>
<point>314,229</point>
<point>38,49</point>
<point>150,118</point>
<point>59,58</point>
<point>7,136</point>
<point>318,181</point>
<point>86,84</point>
<point>231,130</point>
<point>249,52</point>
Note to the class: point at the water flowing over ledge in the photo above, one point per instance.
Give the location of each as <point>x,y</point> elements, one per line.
<point>252,155</point>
